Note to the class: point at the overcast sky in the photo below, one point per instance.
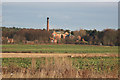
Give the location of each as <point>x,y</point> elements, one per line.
<point>73,16</point>
<point>60,0</point>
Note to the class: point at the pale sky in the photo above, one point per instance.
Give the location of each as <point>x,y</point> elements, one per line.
<point>60,0</point>
<point>63,15</point>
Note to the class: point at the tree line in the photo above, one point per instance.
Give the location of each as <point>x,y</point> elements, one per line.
<point>93,37</point>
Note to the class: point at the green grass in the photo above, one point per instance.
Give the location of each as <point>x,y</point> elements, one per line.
<point>59,48</point>
<point>18,62</point>
<point>99,64</point>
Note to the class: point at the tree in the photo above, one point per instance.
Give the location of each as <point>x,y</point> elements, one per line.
<point>67,31</point>
<point>82,33</point>
<point>110,37</point>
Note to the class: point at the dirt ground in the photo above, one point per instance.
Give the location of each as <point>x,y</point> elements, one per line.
<point>37,55</point>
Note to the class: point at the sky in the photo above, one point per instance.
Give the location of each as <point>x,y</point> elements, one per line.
<point>63,15</point>
<point>60,0</point>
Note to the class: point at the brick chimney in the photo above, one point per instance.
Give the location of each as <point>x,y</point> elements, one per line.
<point>47,23</point>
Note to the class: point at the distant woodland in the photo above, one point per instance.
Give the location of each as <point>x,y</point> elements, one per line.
<point>108,37</point>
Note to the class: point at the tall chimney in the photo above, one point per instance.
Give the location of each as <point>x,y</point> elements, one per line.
<point>47,23</point>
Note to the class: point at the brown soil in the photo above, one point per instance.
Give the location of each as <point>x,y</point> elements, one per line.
<point>23,55</point>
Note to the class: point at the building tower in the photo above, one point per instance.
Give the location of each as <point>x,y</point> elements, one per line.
<point>47,23</point>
